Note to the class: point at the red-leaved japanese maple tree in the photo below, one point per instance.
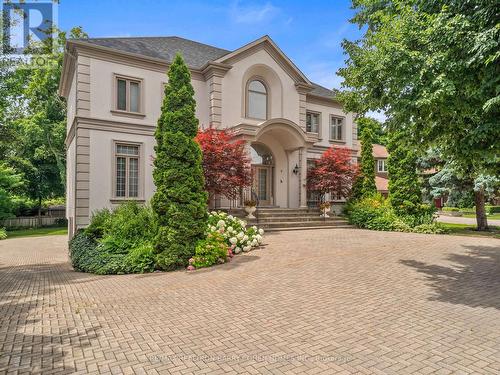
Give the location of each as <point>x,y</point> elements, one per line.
<point>226,164</point>
<point>333,173</point>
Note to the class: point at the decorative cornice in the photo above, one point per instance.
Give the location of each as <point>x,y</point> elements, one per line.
<point>321,100</point>
<point>75,48</point>
<point>81,122</point>
<point>303,88</point>
<point>215,69</point>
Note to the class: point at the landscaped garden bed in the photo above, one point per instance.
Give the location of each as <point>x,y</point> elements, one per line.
<point>122,241</point>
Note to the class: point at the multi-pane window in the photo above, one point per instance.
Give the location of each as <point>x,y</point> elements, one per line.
<point>312,122</point>
<point>257,100</point>
<point>381,165</point>
<point>336,128</point>
<point>128,95</point>
<point>127,171</point>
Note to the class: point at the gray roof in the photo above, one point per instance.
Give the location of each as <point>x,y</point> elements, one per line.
<point>322,91</point>
<point>195,54</point>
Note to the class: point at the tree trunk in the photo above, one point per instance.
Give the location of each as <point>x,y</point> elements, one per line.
<point>482,222</point>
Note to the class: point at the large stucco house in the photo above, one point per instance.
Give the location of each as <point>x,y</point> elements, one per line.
<point>114,89</point>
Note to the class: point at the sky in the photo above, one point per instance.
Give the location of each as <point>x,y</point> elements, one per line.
<point>308,32</point>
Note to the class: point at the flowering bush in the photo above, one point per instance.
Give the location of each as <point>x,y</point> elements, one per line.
<point>234,231</point>
<point>210,251</point>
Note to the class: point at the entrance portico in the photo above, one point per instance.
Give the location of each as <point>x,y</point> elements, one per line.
<point>279,161</point>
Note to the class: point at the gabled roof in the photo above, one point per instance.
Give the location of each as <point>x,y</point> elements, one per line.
<point>196,55</point>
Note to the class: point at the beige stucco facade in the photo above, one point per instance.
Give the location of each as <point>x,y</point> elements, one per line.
<point>221,89</point>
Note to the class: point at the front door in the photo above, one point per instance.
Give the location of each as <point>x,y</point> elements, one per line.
<point>262,184</point>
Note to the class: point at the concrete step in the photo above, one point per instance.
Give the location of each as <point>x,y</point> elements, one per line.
<point>324,227</point>
<point>297,224</point>
<point>267,219</point>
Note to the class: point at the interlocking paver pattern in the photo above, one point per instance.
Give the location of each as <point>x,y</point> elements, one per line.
<point>311,302</point>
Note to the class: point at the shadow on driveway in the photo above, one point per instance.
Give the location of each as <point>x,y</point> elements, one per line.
<point>473,279</point>
<point>30,341</point>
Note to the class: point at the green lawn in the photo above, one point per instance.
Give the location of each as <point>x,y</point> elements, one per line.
<point>470,230</point>
<point>49,231</point>
<point>492,216</point>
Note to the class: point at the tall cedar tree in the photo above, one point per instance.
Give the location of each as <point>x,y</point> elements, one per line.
<point>333,173</point>
<point>367,176</point>
<point>226,164</point>
<point>180,202</point>
<point>404,185</point>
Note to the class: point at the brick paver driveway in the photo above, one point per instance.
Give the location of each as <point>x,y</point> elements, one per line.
<point>323,301</point>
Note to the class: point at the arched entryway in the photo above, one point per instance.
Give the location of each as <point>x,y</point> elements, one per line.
<point>279,156</point>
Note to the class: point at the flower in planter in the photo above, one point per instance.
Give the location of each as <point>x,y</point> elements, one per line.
<point>240,235</point>
<point>221,223</point>
<point>250,203</point>
<point>233,240</point>
<point>247,248</point>
<point>237,250</point>
<point>261,231</point>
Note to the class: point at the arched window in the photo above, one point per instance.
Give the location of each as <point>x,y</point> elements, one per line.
<point>257,100</point>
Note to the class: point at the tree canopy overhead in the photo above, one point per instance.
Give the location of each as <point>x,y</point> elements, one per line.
<point>434,68</point>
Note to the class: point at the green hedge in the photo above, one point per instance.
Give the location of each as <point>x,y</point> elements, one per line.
<point>376,213</point>
<point>116,242</point>
<point>489,209</point>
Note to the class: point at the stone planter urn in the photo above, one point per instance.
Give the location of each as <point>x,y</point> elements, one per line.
<point>324,207</point>
<point>250,210</point>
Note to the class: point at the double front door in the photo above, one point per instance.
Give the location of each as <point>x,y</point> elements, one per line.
<point>262,184</point>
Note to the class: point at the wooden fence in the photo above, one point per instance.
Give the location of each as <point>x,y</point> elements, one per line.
<point>30,222</point>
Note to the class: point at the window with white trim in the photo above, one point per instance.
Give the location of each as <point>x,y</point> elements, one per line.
<point>127,158</point>
<point>312,122</point>
<point>381,166</point>
<point>128,95</point>
<point>336,128</point>
<point>257,100</point>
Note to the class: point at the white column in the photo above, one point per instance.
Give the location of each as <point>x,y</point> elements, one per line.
<point>303,177</point>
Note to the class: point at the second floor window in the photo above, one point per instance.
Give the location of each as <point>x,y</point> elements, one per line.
<point>127,171</point>
<point>128,95</point>
<point>336,129</point>
<point>381,166</point>
<point>312,122</point>
<point>257,100</point>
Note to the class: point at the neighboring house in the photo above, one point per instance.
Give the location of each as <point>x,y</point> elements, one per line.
<point>114,89</point>
<point>380,155</point>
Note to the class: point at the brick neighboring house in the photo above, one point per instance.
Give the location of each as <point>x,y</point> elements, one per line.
<point>380,155</point>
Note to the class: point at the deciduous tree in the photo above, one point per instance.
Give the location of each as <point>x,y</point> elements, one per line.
<point>333,173</point>
<point>226,164</point>
<point>434,68</point>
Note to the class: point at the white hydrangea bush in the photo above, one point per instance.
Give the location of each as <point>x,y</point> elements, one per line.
<point>235,231</point>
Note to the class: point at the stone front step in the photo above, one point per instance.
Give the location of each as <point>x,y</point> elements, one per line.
<point>280,219</point>
<point>305,227</point>
<point>316,217</point>
<point>298,224</point>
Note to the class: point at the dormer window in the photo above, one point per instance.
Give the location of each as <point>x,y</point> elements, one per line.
<point>256,100</point>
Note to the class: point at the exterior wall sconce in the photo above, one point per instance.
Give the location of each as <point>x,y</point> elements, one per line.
<point>295,169</point>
